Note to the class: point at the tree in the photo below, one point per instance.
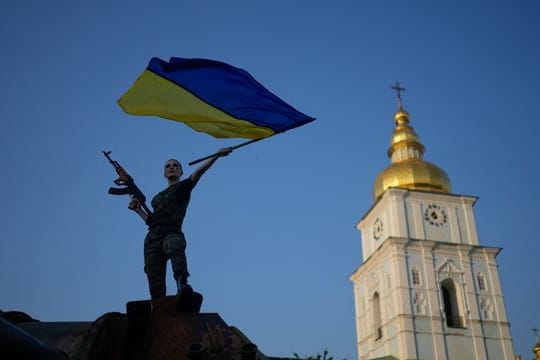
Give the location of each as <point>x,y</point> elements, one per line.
<point>324,356</point>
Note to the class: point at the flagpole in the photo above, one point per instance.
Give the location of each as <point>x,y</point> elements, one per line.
<point>233,148</point>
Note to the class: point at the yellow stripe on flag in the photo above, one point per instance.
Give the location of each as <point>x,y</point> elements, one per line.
<point>153,95</point>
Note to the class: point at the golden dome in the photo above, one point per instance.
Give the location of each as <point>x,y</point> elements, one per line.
<point>412,174</point>
<point>408,170</point>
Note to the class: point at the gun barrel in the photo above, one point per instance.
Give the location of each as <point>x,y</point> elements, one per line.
<point>107,153</point>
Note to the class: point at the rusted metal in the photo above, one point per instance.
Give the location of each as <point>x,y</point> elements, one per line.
<point>15,343</point>
<point>196,351</point>
<point>248,351</point>
<point>146,333</point>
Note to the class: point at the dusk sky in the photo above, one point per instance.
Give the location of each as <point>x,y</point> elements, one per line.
<point>270,229</point>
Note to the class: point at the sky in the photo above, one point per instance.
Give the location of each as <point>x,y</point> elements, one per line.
<point>271,228</point>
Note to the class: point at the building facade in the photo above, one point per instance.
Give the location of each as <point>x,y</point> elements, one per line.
<point>426,288</point>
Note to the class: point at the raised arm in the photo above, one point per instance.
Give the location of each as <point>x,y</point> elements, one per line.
<point>208,163</point>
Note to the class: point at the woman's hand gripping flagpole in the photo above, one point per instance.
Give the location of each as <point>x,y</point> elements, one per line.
<point>219,153</point>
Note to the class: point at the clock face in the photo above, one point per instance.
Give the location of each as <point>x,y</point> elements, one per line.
<point>377,229</point>
<point>435,215</point>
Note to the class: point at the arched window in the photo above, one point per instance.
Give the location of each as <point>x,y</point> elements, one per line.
<point>415,276</point>
<point>481,279</point>
<point>377,320</point>
<point>451,304</point>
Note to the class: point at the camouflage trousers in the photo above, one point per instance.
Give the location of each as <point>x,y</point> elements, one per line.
<point>158,248</point>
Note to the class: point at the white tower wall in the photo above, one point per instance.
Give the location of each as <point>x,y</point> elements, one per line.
<point>420,248</point>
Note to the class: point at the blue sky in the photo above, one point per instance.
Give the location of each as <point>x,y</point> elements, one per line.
<point>271,229</point>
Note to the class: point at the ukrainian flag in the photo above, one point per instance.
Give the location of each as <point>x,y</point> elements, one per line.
<point>211,97</point>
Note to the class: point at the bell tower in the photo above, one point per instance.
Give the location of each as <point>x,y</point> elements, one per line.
<point>426,288</point>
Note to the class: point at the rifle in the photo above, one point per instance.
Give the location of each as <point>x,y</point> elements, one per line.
<point>128,183</point>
